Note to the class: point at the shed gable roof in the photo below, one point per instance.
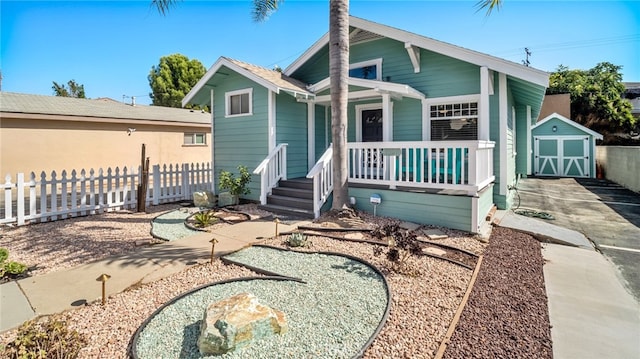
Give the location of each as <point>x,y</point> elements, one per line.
<point>372,30</point>
<point>569,122</point>
<point>19,103</point>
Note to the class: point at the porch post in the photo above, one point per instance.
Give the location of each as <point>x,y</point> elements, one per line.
<point>311,135</point>
<point>529,139</point>
<point>483,124</point>
<point>387,118</point>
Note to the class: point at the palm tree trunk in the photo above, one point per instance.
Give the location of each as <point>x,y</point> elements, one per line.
<point>338,74</point>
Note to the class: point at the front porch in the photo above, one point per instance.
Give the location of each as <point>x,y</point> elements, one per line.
<point>444,183</point>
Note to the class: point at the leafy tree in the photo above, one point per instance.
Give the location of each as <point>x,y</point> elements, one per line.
<point>173,78</point>
<point>596,97</point>
<point>73,89</point>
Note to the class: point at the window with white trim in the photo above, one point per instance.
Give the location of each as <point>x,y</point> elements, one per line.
<point>454,121</point>
<point>238,103</point>
<point>368,70</point>
<point>195,139</point>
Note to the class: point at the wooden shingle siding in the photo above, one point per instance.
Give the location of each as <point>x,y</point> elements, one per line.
<point>234,144</point>
<point>291,124</point>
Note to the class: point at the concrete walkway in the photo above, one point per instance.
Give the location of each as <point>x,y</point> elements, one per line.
<point>591,313</point>
<point>59,291</point>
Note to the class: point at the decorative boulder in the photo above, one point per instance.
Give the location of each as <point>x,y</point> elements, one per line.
<point>204,199</point>
<point>237,321</point>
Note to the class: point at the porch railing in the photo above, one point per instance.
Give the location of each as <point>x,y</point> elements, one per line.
<point>322,174</point>
<point>272,169</point>
<point>456,165</point>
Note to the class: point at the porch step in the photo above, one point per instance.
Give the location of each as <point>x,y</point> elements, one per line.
<point>292,197</point>
<point>287,211</point>
<point>299,183</point>
<point>292,192</point>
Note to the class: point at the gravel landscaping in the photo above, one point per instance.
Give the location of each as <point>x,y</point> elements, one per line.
<point>331,315</point>
<point>422,308</point>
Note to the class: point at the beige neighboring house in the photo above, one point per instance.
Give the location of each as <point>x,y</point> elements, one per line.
<point>46,133</point>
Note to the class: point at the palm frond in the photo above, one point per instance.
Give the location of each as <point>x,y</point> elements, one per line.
<point>489,5</point>
<point>262,9</point>
<point>163,5</point>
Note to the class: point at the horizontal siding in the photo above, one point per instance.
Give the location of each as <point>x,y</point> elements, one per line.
<point>485,203</point>
<point>407,120</point>
<point>521,142</point>
<point>429,209</point>
<point>234,145</point>
<point>563,129</point>
<point>291,128</point>
<point>323,131</point>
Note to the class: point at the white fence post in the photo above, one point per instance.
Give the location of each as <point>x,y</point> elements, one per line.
<point>156,184</point>
<point>20,197</point>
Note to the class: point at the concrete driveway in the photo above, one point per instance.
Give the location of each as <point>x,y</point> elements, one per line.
<point>606,213</point>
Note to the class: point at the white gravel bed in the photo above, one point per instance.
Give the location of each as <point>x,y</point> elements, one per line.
<point>170,226</point>
<point>332,315</point>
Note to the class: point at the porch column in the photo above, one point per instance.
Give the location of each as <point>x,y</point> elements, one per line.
<point>311,135</point>
<point>483,124</point>
<point>503,107</point>
<point>271,114</point>
<point>387,118</point>
<point>529,139</point>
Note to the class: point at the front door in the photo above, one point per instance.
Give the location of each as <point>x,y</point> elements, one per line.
<point>372,125</point>
<point>372,132</point>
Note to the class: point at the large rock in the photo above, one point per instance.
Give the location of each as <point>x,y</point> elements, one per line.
<point>204,199</point>
<point>235,322</point>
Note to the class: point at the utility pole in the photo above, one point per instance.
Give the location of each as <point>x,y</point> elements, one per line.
<point>527,53</point>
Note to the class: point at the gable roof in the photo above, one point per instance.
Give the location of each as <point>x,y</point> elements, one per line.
<point>275,81</point>
<point>371,30</point>
<point>568,122</point>
<point>28,104</point>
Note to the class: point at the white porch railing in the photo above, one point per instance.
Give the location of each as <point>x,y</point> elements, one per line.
<point>322,174</point>
<point>272,169</point>
<point>82,193</point>
<point>456,165</point>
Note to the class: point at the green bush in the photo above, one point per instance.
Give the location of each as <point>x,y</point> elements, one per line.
<point>236,186</point>
<point>45,338</point>
<point>9,268</point>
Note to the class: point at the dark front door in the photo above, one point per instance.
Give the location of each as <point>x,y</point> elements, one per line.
<point>372,125</point>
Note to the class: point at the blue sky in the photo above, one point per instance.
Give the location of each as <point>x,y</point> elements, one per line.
<point>110,46</point>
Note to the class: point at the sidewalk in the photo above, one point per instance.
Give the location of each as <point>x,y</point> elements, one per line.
<point>59,291</point>
<point>592,315</point>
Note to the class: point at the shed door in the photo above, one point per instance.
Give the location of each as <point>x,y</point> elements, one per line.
<point>561,156</point>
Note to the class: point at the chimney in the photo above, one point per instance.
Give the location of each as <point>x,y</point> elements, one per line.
<point>133,100</point>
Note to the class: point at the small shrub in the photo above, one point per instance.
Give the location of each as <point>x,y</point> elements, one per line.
<point>204,219</point>
<point>45,338</point>
<point>9,268</point>
<point>236,186</point>
<point>297,240</point>
<point>401,245</point>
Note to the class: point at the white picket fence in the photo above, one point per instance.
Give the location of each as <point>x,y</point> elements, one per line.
<point>83,193</point>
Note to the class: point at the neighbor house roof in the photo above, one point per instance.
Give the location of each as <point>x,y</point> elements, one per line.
<point>55,107</point>
<point>271,79</point>
<point>365,30</point>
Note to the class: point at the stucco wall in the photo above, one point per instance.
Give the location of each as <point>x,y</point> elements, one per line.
<point>45,145</point>
<point>621,164</point>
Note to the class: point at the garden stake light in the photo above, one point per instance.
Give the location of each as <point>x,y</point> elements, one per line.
<point>103,278</point>
<point>213,242</point>
<point>276,221</point>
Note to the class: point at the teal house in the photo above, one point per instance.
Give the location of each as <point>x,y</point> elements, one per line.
<point>437,134</point>
<point>563,148</point>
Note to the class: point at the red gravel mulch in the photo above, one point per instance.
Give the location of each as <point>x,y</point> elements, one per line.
<point>507,314</point>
